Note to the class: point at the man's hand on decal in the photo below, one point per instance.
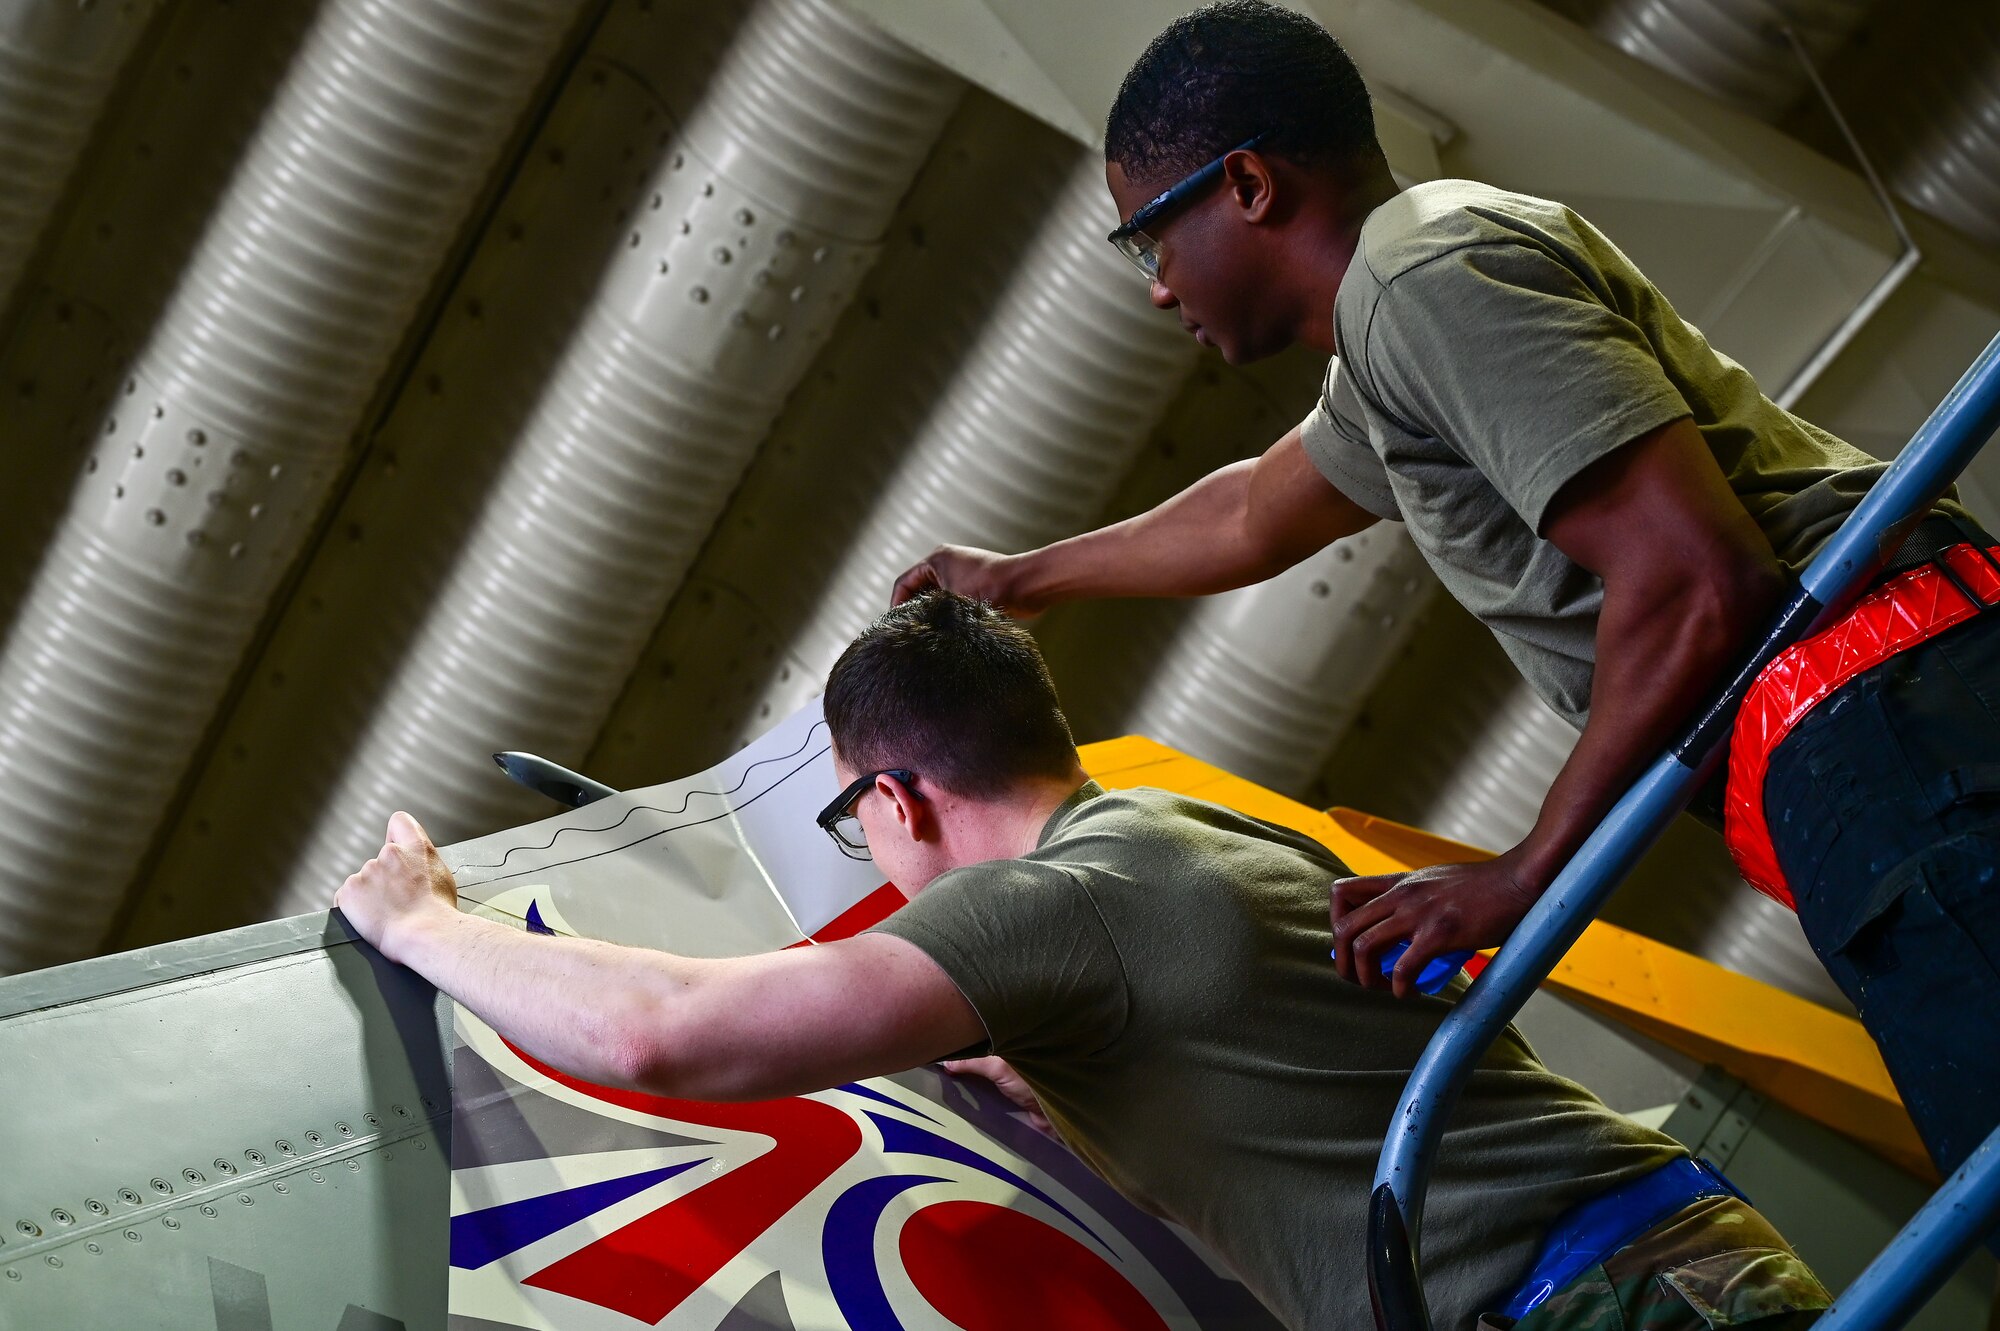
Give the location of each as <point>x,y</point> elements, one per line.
<point>1440,909</point>
<point>403,885</point>
<point>981,574</point>
<point>1008,1082</point>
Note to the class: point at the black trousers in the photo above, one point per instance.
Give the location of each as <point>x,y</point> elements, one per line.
<point>1884,808</point>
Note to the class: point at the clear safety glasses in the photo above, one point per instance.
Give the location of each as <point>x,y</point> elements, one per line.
<point>1130,237</point>
<point>839,820</point>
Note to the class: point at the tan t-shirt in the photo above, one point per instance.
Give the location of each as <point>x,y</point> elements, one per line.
<point>1157,970</point>
<point>1493,345</point>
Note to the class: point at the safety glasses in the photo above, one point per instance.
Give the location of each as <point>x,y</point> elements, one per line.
<point>839,820</point>
<point>1131,238</point>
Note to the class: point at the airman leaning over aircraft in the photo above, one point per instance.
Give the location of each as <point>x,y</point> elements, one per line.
<point>1614,498</point>
<point>1152,970</point>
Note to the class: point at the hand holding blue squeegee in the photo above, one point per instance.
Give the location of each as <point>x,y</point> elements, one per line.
<point>1433,977</point>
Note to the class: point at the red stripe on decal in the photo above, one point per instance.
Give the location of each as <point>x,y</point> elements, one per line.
<point>866,913</point>
<point>648,1268</point>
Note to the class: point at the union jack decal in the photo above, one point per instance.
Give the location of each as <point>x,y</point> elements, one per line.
<point>918,1201</point>
<point>914,1202</point>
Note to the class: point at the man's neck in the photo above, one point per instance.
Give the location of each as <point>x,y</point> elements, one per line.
<point>1331,249</point>
<point>1008,826</point>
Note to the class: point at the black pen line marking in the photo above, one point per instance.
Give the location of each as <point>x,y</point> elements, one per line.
<point>501,863</point>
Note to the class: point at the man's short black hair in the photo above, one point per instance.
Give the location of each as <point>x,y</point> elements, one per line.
<point>1232,70</point>
<point>953,690</point>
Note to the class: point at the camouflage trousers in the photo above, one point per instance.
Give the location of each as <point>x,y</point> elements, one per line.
<point>1715,1264</point>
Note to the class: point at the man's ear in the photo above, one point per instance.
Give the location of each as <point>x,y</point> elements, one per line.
<point>1252,186</point>
<point>914,817</point>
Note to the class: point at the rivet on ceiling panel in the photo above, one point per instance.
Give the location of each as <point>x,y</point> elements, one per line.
<point>1032,435</point>
<point>1046,410</point>
<point>700,326</point>
<point>567,212</point>
<point>279,330</point>
<point>815,480</point>
<point>147,186</point>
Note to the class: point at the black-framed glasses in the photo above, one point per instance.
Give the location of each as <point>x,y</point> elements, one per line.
<point>1130,236</point>
<point>839,820</point>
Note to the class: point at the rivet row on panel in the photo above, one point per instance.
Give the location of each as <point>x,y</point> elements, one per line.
<point>218,1177</point>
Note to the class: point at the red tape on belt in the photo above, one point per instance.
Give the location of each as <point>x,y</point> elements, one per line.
<point>1897,615</point>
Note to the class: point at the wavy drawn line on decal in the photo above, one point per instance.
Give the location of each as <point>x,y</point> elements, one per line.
<point>650,808</point>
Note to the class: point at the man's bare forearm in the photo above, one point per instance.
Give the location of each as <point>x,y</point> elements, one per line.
<point>1244,523</point>
<point>586,1007</point>
<point>699,1028</point>
<point>1193,544</point>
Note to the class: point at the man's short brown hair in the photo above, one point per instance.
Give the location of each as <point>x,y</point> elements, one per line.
<point>953,690</point>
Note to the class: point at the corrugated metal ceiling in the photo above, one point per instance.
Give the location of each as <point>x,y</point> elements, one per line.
<point>389,382</point>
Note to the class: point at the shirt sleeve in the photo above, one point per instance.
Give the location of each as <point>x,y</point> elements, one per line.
<point>1336,443</point>
<point>1504,353</point>
<point>1026,946</point>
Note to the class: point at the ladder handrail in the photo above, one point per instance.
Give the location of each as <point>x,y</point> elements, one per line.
<point>1940,450</point>
<point>1942,1233</point>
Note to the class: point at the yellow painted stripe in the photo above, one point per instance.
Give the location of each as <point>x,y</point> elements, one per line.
<point>1811,1060</point>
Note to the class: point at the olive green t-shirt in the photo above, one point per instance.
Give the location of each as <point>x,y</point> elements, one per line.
<point>1157,970</point>
<point>1493,345</point>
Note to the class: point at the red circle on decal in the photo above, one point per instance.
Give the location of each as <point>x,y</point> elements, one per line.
<point>991,1269</point>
